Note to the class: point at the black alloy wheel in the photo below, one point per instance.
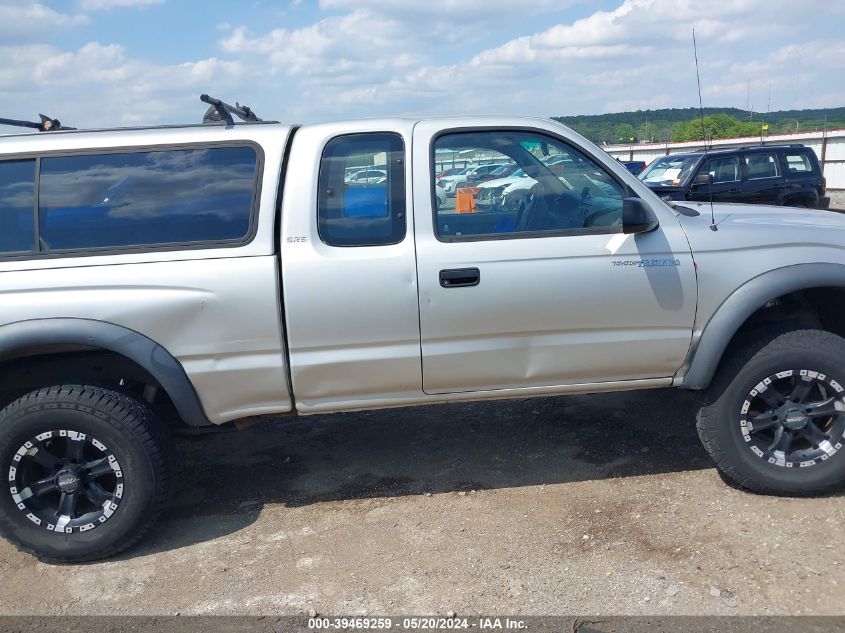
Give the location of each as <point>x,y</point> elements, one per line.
<point>795,418</point>
<point>66,481</point>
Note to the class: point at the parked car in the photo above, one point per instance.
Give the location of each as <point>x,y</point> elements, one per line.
<point>502,171</point>
<point>451,182</point>
<point>183,277</point>
<point>476,175</point>
<point>787,175</point>
<point>636,167</point>
<point>439,194</point>
<point>452,171</point>
<point>558,162</point>
<point>491,192</point>
<point>369,176</point>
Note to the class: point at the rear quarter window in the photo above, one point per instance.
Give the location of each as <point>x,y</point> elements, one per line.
<point>799,163</point>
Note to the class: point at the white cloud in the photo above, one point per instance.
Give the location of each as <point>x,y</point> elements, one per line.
<point>638,55</point>
<point>98,85</point>
<point>100,5</point>
<point>449,8</point>
<point>640,25</point>
<point>373,57</point>
<point>22,22</point>
<point>352,47</point>
<point>450,22</point>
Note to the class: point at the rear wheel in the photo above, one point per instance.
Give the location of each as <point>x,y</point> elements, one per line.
<point>774,420</point>
<point>801,203</point>
<point>85,472</point>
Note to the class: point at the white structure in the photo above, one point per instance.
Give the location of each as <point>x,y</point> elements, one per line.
<point>829,147</point>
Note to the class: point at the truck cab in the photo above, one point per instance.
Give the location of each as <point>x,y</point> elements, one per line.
<point>458,305</point>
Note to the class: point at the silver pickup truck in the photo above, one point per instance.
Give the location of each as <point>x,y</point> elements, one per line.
<point>199,275</point>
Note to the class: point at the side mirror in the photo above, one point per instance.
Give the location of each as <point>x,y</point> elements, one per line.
<point>637,217</point>
<point>703,179</point>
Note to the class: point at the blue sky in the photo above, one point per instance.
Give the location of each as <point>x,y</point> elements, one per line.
<point>123,62</point>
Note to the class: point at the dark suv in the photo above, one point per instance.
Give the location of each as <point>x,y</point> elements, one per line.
<point>788,175</point>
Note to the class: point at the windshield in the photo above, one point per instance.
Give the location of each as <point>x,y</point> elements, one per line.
<point>669,170</point>
<point>501,170</point>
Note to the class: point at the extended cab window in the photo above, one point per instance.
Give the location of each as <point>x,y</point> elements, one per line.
<point>361,190</point>
<point>146,198</point>
<point>17,206</point>
<point>547,186</point>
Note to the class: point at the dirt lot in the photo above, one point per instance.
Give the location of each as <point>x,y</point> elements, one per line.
<point>596,504</point>
<point>837,200</point>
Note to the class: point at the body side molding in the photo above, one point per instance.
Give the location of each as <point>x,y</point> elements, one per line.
<point>31,337</point>
<point>741,304</point>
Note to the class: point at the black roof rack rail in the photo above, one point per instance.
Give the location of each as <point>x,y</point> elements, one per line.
<point>220,112</point>
<point>46,125</point>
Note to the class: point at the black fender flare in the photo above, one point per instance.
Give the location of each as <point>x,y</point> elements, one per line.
<point>37,336</point>
<point>741,304</point>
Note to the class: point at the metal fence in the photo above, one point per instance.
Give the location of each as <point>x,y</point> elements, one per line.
<point>829,147</point>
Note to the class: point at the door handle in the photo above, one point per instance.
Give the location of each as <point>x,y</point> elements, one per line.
<point>460,277</point>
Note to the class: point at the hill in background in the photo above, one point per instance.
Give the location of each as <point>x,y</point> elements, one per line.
<point>682,124</point>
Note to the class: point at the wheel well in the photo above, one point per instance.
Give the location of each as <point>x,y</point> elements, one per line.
<point>83,366</point>
<point>803,198</point>
<point>816,308</point>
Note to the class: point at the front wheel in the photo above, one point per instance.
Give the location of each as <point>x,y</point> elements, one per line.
<point>85,472</point>
<point>774,418</point>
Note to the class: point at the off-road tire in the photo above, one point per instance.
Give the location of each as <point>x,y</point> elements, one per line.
<point>137,444</point>
<point>719,420</point>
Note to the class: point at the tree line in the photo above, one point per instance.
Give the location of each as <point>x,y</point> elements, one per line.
<point>685,124</point>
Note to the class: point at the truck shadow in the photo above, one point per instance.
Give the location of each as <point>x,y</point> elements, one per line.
<point>225,479</point>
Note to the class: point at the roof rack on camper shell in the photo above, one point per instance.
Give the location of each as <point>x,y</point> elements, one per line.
<point>218,113</point>
<point>46,125</point>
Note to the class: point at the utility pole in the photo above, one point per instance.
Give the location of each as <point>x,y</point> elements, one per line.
<point>765,125</point>
<point>769,101</point>
<point>748,99</point>
<point>823,157</point>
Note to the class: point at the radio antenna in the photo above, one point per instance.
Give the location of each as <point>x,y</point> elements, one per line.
<point>713,226</point>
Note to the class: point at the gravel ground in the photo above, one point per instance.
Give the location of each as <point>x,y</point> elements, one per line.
<point>600,504</point>
<point>837,200</point>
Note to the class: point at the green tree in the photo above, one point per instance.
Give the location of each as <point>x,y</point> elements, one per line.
<point>714,126</point>
<point>623,132</point>
<point>604,127</point>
